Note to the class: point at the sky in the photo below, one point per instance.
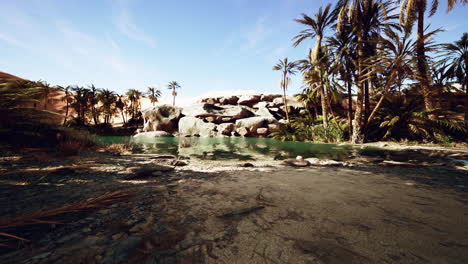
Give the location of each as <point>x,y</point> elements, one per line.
<point>208,46</point>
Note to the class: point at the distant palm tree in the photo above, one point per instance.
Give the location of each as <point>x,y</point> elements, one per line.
<point>173,86</point>
<point>93,100</point>
<point>81,102</point>
<point>287,68</point>
<point>108,99</point>
<point>316,27</point>
<point>121,104</point>
<point>153,94</point>
<point>412,11</point>
<point>457,59</point>
<point>134,98</point>
<point>66,98</point>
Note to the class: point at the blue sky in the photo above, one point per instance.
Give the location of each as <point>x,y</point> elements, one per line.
<point>207,45</point>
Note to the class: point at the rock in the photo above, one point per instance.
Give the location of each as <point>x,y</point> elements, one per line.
<point>218,112</point>
<point>242,131</point>
<point>296,162</point>
<point>278,101</point>
<point>269,97</point>
<point>252,123</point>
<point>262,131</point>
<point>273,127</point>
<point>191,126</point>
<point>315,161</point>
<point>147,170</point>
<point>299,158</point>
<point>260,104</point>
<point>263,111</point>
<point>247,165</point>
<point>210,119</point>
<point>179,163</point>
<point>161,118</point>
<point>150,135</point>
<point>249,100</point>
<point>225,129</point>
<point>229,100</point>
<point>163,157</point>
<point>172,185</point>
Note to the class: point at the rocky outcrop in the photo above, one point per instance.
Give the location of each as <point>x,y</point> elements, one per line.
<point>161,118</point>
<point>245,115</point>
<point>192,126</point>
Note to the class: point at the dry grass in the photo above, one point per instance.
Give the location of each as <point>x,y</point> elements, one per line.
<point>119,148</point>
<point>39,217</point>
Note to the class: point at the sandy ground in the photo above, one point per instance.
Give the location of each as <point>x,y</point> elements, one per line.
<point>360,214</point>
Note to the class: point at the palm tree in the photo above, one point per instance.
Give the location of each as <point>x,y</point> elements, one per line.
<point>121,104</point>
<point>153,94</point>
<point>134,98</point>
<point>80,102</point>
<point>315,29</point>
<point>108,99</point>
<point>410,12</point>
<point>66,98</point>
<point>173,86</point>
<point>93,100</point>
<point>366,18</point>
<point>457,59</point>
<point>288,68</point>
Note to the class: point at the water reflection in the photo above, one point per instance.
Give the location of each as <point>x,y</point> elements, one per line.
<point>233,148</point>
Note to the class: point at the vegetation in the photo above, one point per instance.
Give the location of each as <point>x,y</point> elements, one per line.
<point>287,68</point>
<point>396,86</point>
<point>173,86</point>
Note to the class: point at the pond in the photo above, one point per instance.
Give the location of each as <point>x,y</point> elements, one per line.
<point>241,148</point>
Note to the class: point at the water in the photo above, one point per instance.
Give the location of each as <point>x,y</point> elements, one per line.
<point>244,149</point>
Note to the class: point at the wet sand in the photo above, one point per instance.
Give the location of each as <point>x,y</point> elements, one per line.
<point>360,214</point>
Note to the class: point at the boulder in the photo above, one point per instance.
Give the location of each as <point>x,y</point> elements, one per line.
<point>161,118</point>
<point>263,111</point>
<point>261,104</point>
<point>273,127</point>
<point>262,131</point>
<point>296,162</point>
<point>219,112</point>
<point>252,123</point>
<point>242,131</point>
<point>152,134</point>
<point>269,97</point>
<point>225,129</point>
<point>192,126</point>
<point>229,100</point>
<point>249,100</point>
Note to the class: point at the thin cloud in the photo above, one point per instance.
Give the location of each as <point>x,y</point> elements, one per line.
<point>125,24</point>
<point>255,36</point>
<point>12,41</point>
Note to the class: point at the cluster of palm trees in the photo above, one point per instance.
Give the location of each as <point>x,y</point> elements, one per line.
<point>101,105</point>
<point>365,48</point>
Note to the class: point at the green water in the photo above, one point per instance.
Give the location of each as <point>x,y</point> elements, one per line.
<point>240,148</point>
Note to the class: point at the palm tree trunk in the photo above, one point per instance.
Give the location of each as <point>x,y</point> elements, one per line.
<point>285,101</point>
<point>466,100</point>
<point>358,136</point>
<point>66,111</point>
<point>173,99</point>
<point>323,99</point>
<point>350,109</point>
<point>422,64</point>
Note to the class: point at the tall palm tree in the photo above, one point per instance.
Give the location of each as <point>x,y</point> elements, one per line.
<point>367,18</point>
<point>410,12</point>
<point>153,94</point>
<point>134,98</point>
<point>457,59</point>
<point>93,100</point>
<point>287,68</point>
<point>173,86</point>
<point>108,99</point>
<point>66,98</point>
<point>315,29</point>
<point>121,104</point>
<point>80,102</point>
